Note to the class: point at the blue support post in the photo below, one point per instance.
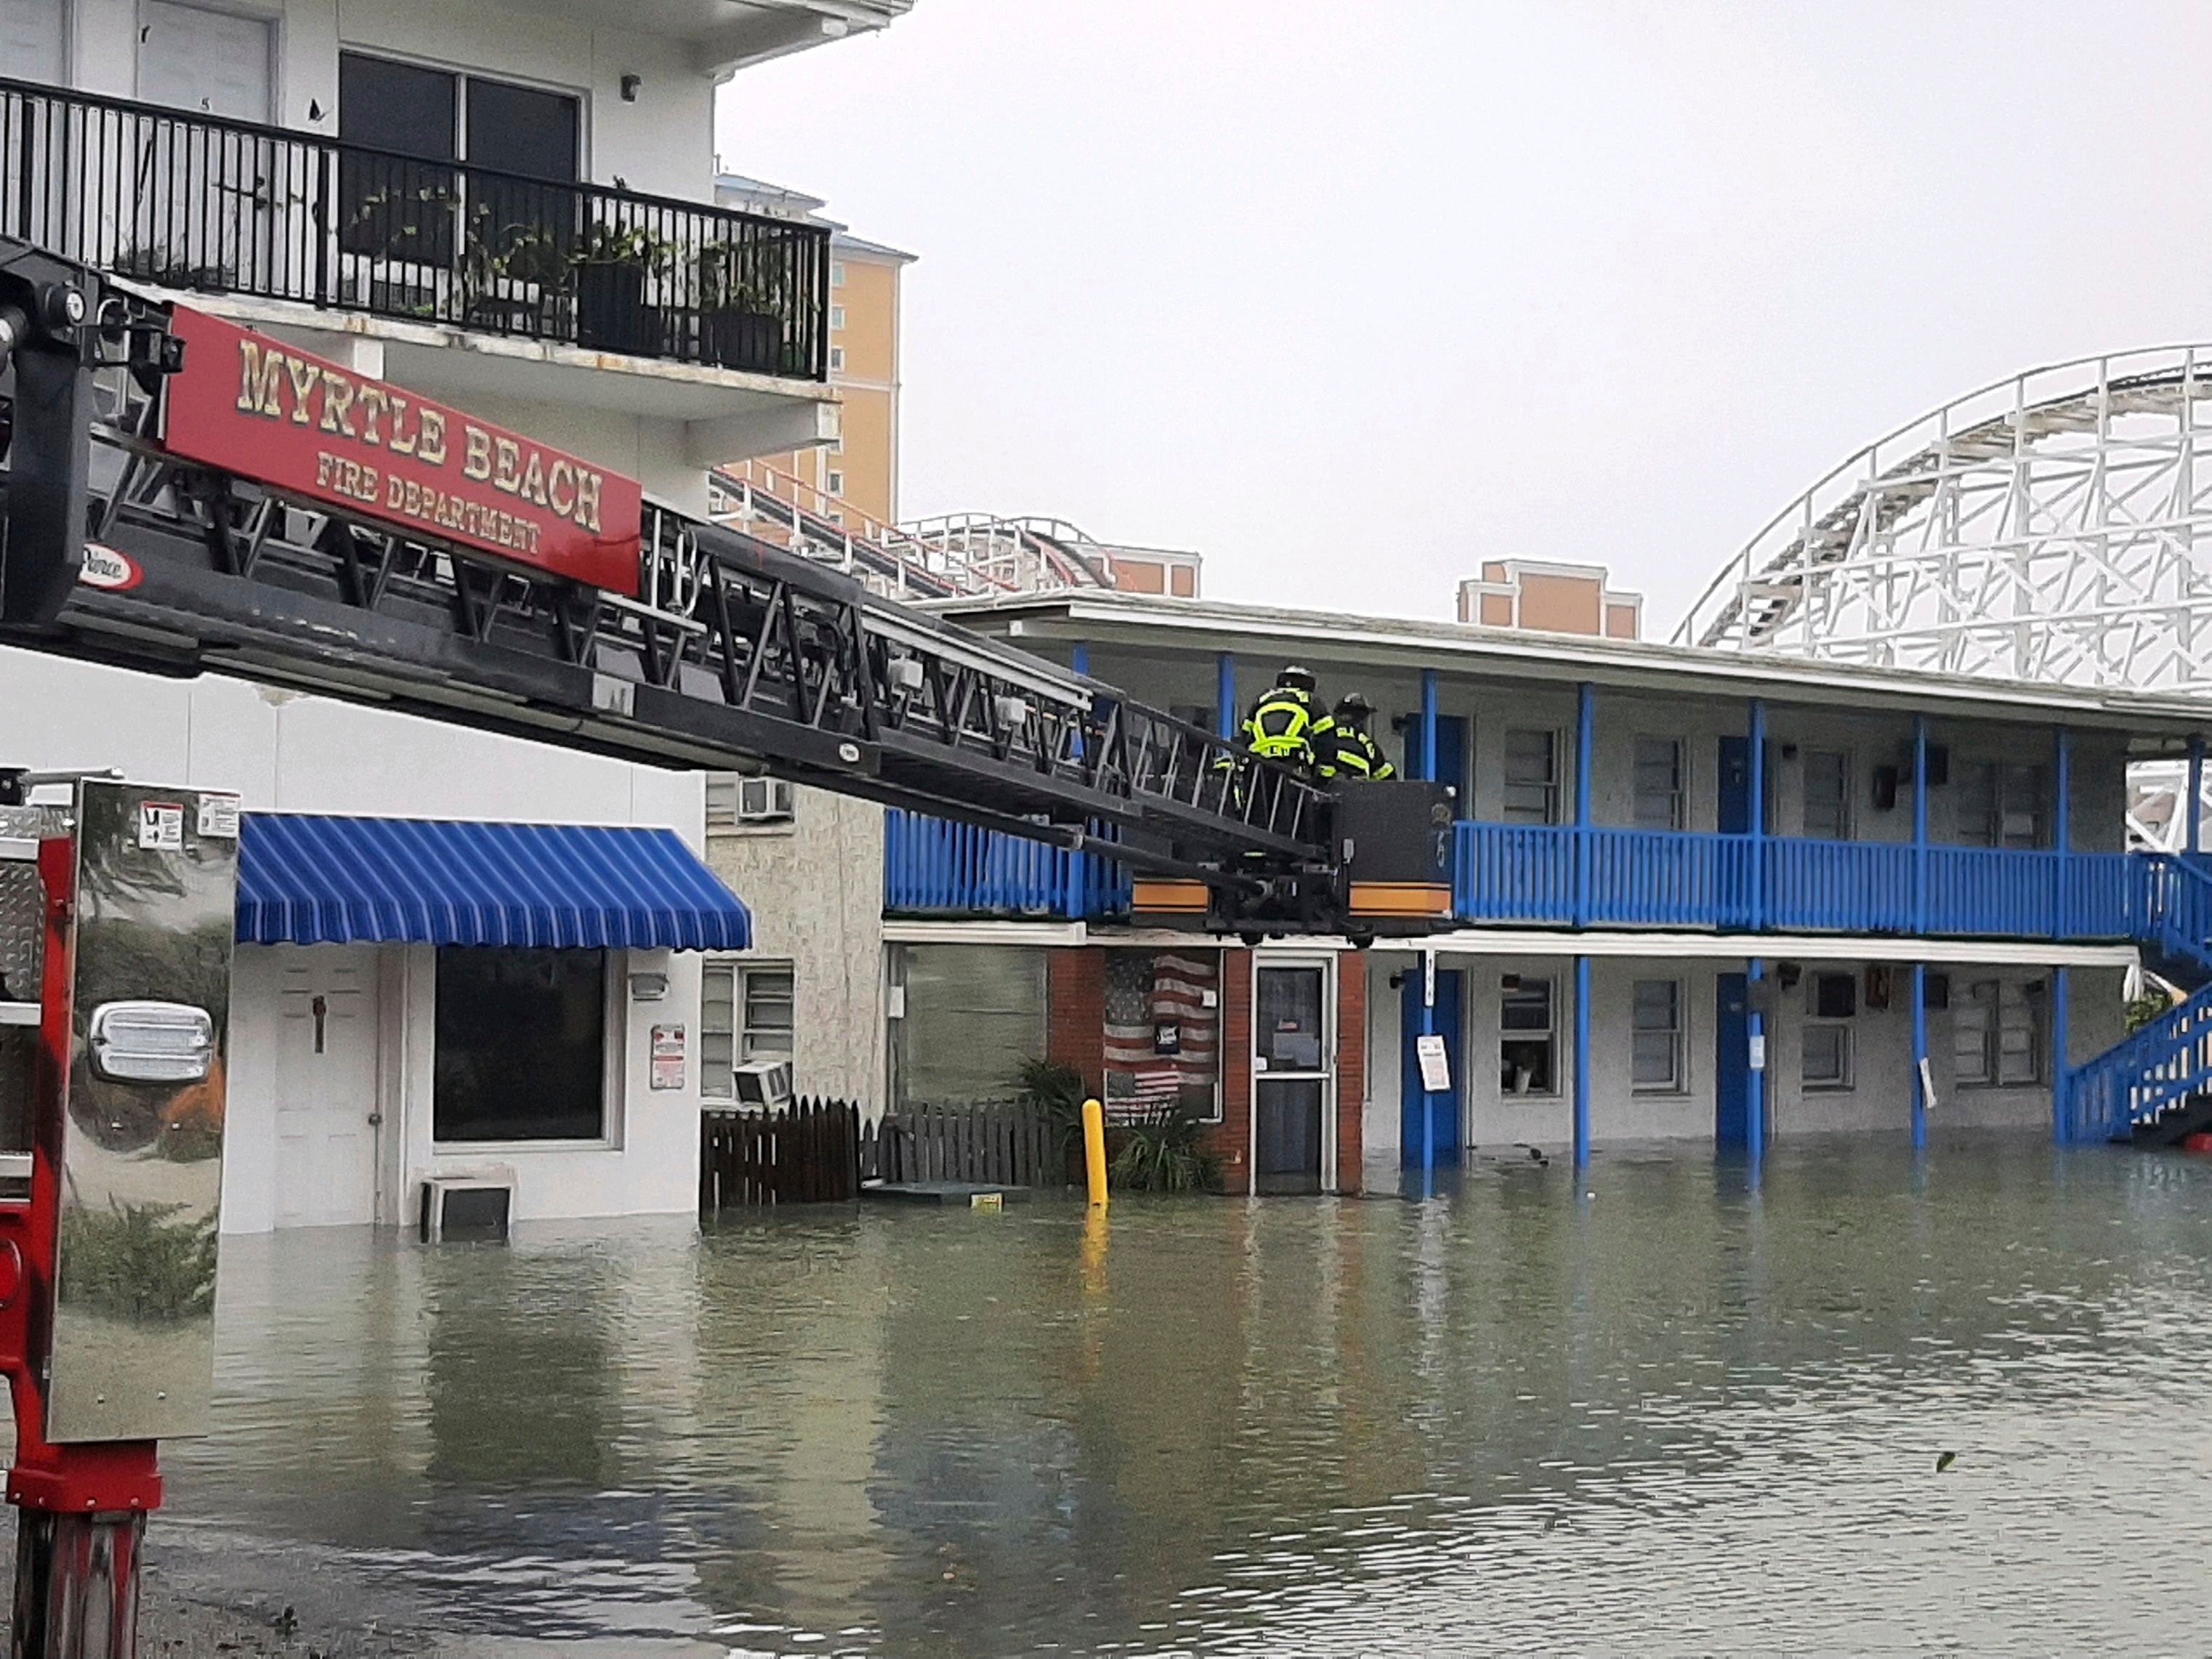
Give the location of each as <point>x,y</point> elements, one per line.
<point>1919,1055</point>
<point>1224,694</point>
<point>1079,658</point>
<point>2196,795</point>
<point>2060,1055</point>
<point>1755,811</point>
<point>1920,823</point>
<point>1428,1098</point>
<point>2062,833</point>
<point>1585,736</point>
<point>1428,768</point>
<point>1754,1109</point>
<point>1582,1062</point>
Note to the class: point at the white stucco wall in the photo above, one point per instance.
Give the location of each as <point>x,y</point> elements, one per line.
<point>825,871</point>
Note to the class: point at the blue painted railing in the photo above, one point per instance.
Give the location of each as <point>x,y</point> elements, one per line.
<point>1844,886</point>
<point>1512,872</point>
<point>933,868</point>
<point>2161,1064</point>
<point>2153,1067</point>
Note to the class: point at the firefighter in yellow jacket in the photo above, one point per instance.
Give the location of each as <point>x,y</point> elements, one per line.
<point>1349,752</point>
<point>1289,724</point>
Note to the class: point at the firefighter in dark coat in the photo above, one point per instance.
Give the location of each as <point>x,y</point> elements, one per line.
<point>1349,753</point>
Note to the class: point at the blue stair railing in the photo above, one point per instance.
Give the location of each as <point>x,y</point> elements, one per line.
<point>2144,1075</point>
<point>2161,1065</point>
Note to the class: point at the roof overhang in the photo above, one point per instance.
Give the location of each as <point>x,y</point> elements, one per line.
<point>2159,721</point>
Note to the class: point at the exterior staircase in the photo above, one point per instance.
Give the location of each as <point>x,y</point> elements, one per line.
<point>2154,1086</point>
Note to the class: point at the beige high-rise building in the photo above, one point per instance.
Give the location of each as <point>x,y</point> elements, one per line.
<point>856,473</point>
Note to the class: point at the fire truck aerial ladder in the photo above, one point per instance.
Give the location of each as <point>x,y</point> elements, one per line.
<point>181,495</point>
<point>151,524</point>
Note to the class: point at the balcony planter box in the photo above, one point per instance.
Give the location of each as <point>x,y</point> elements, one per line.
<point>749,340</point>
<point>611,315</point>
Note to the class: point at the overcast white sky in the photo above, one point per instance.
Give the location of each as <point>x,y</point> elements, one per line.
<point>1349,296</point>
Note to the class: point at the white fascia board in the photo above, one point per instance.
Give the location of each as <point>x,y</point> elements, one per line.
<point>1766,947</point>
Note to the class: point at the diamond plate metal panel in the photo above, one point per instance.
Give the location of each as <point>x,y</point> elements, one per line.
<point>21,937</point>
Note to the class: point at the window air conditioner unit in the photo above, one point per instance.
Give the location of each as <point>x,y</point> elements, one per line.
<point>763,1083</point>
<point>462,1208</point>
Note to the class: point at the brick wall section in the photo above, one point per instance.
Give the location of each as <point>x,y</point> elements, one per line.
<point>1231,1137</point>
<point>1351,1064</point>
<point>1075,1011</point>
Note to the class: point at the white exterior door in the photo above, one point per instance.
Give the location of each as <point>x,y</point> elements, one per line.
<point>327,1099</point>
<point>31,39</point>
<point>208,62</point>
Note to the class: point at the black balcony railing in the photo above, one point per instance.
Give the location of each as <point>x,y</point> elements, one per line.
<point>199,203</point>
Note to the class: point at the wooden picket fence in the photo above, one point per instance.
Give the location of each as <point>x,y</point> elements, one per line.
<point>818,1151</point>
<point>1005,1144</point>
<point>807,1153</point>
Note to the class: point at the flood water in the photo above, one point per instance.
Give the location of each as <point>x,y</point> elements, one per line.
<point>1649,1412</point>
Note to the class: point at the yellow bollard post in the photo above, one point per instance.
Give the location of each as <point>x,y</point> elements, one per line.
<point>1094,1151</point>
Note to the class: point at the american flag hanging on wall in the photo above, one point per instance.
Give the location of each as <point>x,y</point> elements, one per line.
<point>1163,1024</point>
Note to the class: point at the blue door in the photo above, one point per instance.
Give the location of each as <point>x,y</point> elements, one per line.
<point>1451,755</point>
<point>1443,1108</point>
<point>1734,818</point>
<point>1734,806</point>
<point>1732,1059</point>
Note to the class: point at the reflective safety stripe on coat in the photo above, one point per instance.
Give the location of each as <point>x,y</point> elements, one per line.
<point>1285,725</point>
<point>1353,752</point>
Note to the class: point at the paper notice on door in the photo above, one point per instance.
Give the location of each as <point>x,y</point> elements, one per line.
<point>1436,1065</point>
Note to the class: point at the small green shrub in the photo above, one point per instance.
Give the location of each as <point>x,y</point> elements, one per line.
<point>1164,1156</point>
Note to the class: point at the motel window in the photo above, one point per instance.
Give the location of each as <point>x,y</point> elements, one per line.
<point>1999,805</point>
<point>836,273</point>
<point>1830,1001</point>
<point>836,483</point>
<point>1827,794</point>
<point>521,1043</point>
<point>1655,1060</point>
<point>735,800</point>
<point>746,1012</point>
<point>1826,1055</point>
<point>1163,1036</point>
<point>1658,783</point>
<point>837,316</point>
<point>968,1016</point>
<point>837,358</point>
<point>1997,1037</point>
<point>1528,1036</point>
<point>1531,777</point>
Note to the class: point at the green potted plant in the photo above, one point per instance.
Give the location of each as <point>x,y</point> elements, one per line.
<point>612,264</point>
<point>741,310</point>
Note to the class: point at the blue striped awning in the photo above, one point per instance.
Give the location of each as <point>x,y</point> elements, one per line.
<point>308,880</point>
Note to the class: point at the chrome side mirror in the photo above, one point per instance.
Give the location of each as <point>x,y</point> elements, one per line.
<point>142,1041</point>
